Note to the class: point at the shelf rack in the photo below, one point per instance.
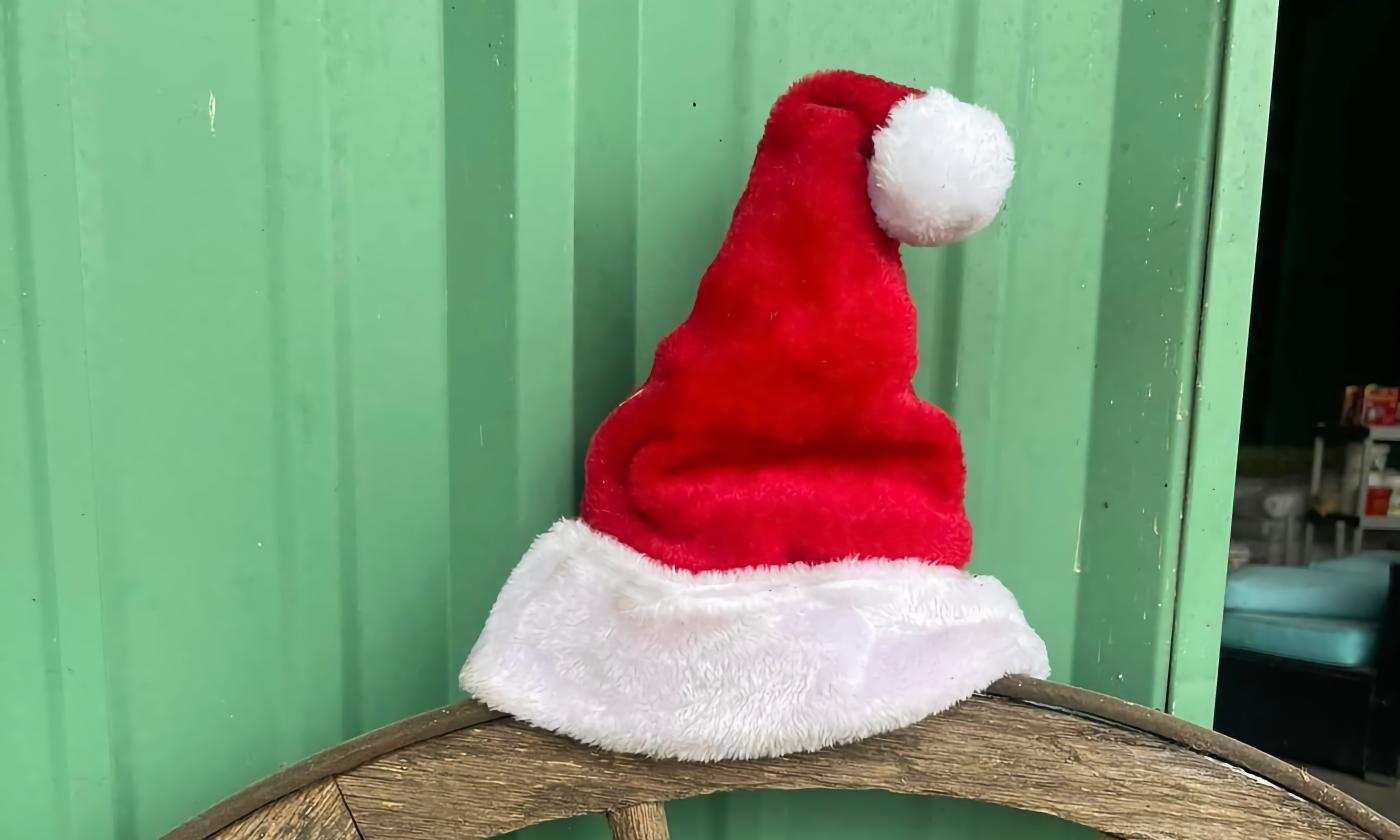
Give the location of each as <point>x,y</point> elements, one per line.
<point>1367,436</point>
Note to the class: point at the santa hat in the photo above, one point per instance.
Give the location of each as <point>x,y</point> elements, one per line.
<point>770,548</point>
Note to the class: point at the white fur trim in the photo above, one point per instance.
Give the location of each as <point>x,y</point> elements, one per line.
<point>940,170</point>
<point>594,640</point>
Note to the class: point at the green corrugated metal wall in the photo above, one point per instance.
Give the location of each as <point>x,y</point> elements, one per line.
<point>308,309</point>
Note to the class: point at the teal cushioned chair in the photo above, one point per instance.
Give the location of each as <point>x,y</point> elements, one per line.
<point>1329,613</point>
<point>1310,661</point>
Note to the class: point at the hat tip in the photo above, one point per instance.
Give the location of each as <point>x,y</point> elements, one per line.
<point>940,169</point>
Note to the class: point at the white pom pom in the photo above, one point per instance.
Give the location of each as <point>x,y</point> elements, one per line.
<point>940,170</point>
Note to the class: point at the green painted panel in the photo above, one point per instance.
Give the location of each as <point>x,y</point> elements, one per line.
<point>307,311</point>
<point>1153,251</point>
<point>1239,175</point>
<point>231,385</point>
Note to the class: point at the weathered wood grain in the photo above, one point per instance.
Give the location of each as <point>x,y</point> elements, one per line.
<point>1114,711</point>
<point>312,813</point>
<point>643,821</point>
<point>337,759</point>
<point>505,775</point>
<point>1140,764</point>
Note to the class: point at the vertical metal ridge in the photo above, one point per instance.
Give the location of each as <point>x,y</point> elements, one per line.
<point>605,215</point>
<point>985,309</point>
<point>1195,314</point>
<point>741,79</point>
<point>940,379</point>
<point>105,737</point>
<point>545,182</point>
<point>1149,308</point>
<point>482,202</point>
<point>34,412</point>
<point>287,557</point>
<point>1241,135</point>
<point>634,252</point>
<point>639,358</point>
<point>339,187</point>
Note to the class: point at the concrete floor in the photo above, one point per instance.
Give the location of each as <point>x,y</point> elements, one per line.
<point>1381,795</point>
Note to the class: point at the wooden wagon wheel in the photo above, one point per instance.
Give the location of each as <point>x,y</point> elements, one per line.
<point>465,771</point>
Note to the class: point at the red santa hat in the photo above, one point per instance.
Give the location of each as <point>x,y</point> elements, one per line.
<point>770,548</point>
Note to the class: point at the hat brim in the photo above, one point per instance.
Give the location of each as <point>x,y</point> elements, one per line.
<point>591,639</point>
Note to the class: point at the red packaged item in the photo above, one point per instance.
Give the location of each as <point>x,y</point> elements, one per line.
<point>1378,501</point>
<point>1378,406</point>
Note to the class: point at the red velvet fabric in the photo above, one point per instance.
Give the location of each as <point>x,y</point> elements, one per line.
<point>778,424</point>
